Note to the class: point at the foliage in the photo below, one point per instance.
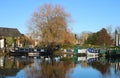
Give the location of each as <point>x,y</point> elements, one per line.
<point>26,41</point>
<point>104,38</point>
<point>82,37</point>
<point>67,59</point>
<point>9,41</point>
<point>50,24</point>
<point>101,38</point>
<point>68,46</point>
<point>92,39</point>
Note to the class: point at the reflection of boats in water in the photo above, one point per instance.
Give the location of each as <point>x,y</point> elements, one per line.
<point>80,59</point>
<point>92,59</point>
<point>11,66</point>
<point>32,67</point>
<point>87,59</point>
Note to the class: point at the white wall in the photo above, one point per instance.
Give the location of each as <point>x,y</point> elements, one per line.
<point>2,43</point>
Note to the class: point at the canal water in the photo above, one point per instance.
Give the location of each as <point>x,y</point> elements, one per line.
<point>63,66</point>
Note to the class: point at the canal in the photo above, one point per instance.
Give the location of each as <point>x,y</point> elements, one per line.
<point>63,66</point>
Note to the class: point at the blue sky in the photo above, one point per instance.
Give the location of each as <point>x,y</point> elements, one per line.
<point>87,15</point>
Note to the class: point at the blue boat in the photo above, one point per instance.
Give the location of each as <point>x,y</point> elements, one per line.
<point>92,52</point>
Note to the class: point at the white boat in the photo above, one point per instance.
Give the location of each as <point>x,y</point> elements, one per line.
<point>82,51</point>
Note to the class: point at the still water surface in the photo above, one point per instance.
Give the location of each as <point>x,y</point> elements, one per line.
<point>59,67</point>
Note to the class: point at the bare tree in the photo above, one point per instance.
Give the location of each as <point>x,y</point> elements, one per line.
<point>118,29</point>
<point>109,30</point>
<point>82,37</point>
<point>50,24</point>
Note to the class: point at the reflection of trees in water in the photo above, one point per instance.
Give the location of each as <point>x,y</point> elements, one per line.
<point>103,68</point>
<point>33,70</point>
<point>17,63</point>
<point>10,66</point>
<point>49,70</point>
<point>116,63</point>
<point>55,70</point>
<point>84,64</point>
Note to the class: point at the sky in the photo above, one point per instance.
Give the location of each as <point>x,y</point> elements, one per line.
<point>87,15</point>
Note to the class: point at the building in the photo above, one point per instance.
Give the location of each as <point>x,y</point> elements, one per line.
<point>117,41</point>
<point>7,32</point>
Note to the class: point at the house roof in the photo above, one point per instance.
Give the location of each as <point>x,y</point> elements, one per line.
<point>9,32</point>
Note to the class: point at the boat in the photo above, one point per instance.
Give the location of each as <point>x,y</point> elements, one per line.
<point>30,51</point>
<point>92,52</point>
<point>113,53</point>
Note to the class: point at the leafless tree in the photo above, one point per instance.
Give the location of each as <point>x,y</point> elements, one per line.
<point>50,24</point>
<point>109,30</point>
<point>118,29</point>
<point>82,37</point>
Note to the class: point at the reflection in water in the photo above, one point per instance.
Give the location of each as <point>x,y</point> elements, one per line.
<point>2,62</point>
<point>20,74</point>
<point>59,67</point>
<point>33,70</point>
<point>10,66</point>
<point>46,69</point>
